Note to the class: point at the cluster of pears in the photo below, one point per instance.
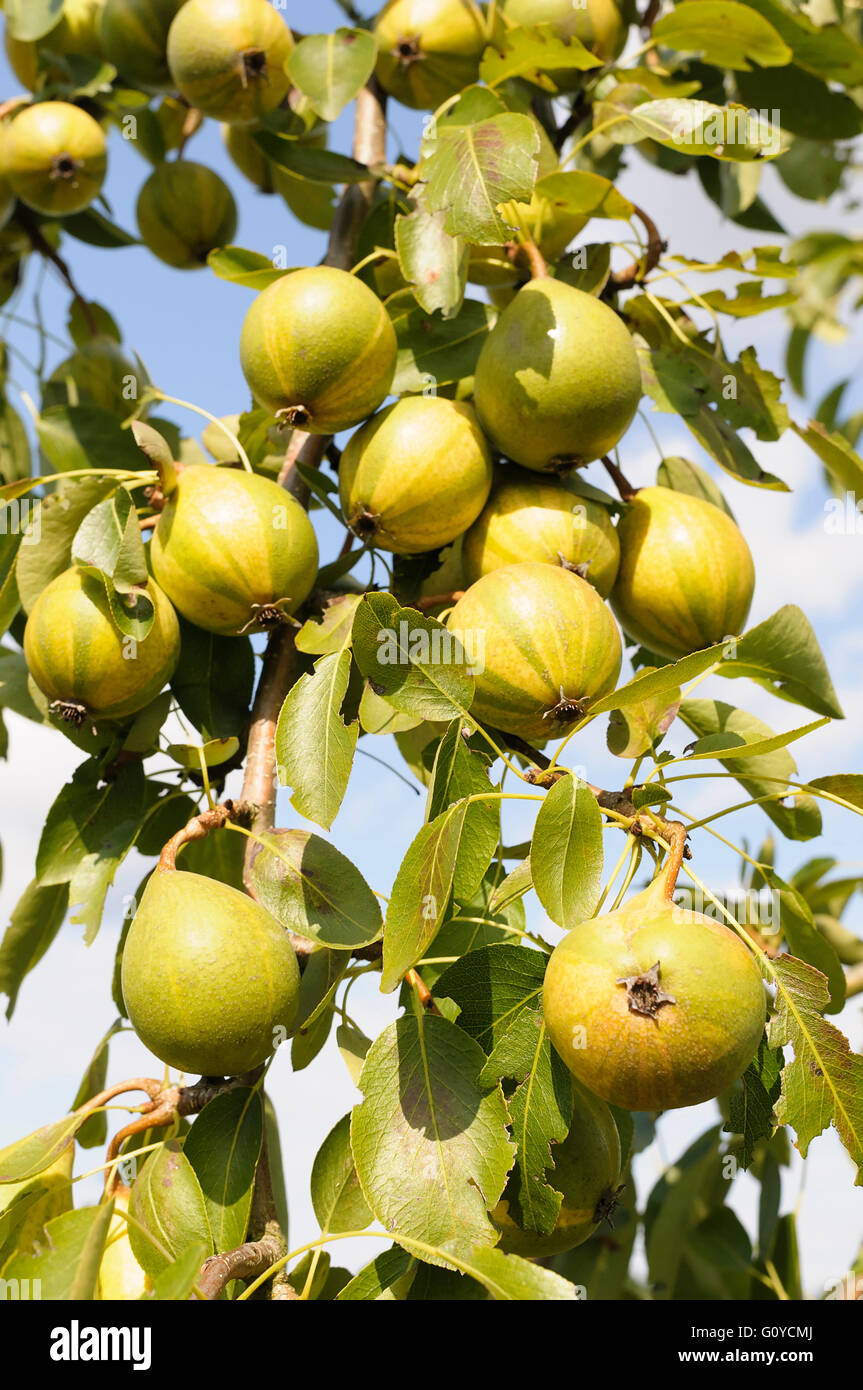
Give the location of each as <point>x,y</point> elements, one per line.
<point>228,60</point>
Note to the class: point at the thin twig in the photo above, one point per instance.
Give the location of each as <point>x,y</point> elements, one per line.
<point>635,273</point>
<point>44,248</point>
<point>623,485</point>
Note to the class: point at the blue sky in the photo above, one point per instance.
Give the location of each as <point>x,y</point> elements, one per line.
<point>186,325</point>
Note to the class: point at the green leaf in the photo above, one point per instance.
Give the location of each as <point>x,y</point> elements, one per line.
<point>27,1157</point>
<point>332,631</point>
<point>641,728</point>
<point>492,986</point>
<point>459,773</point>
<point>222,1147</point>
<point>658,684</point>
<point>824,1083</point>
<point>566,852</point>
<point>95,229</point>
<point>751,1108</point>
<point>377,715</point>
<point>277,1172</point>
<point>517,882</point>
<point>734,745</point>
<point>10,541</point>
<point>677,1203</point>
<point>108,541</point>
<point>337,1197</point>
<point>47,550</point>
<point>67,1265</point>
<point>314,891</point>
<point>763,775</point>
<point>847,785</point>
<point>540,1108</point>
<point>433,262</point>
<point>212,753</point>
<point>176,1282</point>
<point>724,33</point>
<point>579,191</point>
<point>424,883</point>
<point>353,1049</point>
<point>88,832</point>
<point>698,128</point>
<point>85,436</point>
<point>472,925</point>
<point>433,350</point>
<point>36,919</point>
<point>168,1203</point>
<point>533,53</point>
<point>14,444</point>
<point>309,162</point>
<point>809,108</point>
<point>412,660</point>
<point>470,170</point>
<point>329,69</point>
<point>94,1131</point>
<point>214,680</point>
<point>783,655</point>
<point>320,979</point>
<point>508,1278</point>
<point>696,389</point>
<point>680,475</point>
<point>379,1278</point>
<point>840,460</point>
<point>241,267</point>
<point>430,1143</point>
<point>824,49</point>
<point>314,745</point>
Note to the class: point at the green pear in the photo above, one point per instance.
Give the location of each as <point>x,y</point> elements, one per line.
<point>557,382</point>
<point>209,977</point>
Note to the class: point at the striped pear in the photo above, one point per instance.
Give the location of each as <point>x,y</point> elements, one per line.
<point>531,518</point>
<point>185,211</point>
<point>585,1170</point>
<point>54,157</point>
<point>232,550</point>
<point>686,575</point>
<point>428,50</point>
<point>227,57</point>
<point>557,382</point>
<point>318,348</point>
<point>208,976</point>
<point>544,643</point>
<point>135,39</point>
<point>653,1007</point>
<point>82,662</point>
<point>416,475</point>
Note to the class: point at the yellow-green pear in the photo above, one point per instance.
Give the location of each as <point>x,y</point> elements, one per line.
<point>558,381</point>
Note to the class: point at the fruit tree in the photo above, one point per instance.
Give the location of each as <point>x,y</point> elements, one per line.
<point>478,553</point>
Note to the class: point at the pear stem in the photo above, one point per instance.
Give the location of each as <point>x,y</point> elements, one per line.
<point>195,829</point>
<point>528,254</point>
<point>437,600</point>
<point>675,833</point>
<point>622,483</point>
